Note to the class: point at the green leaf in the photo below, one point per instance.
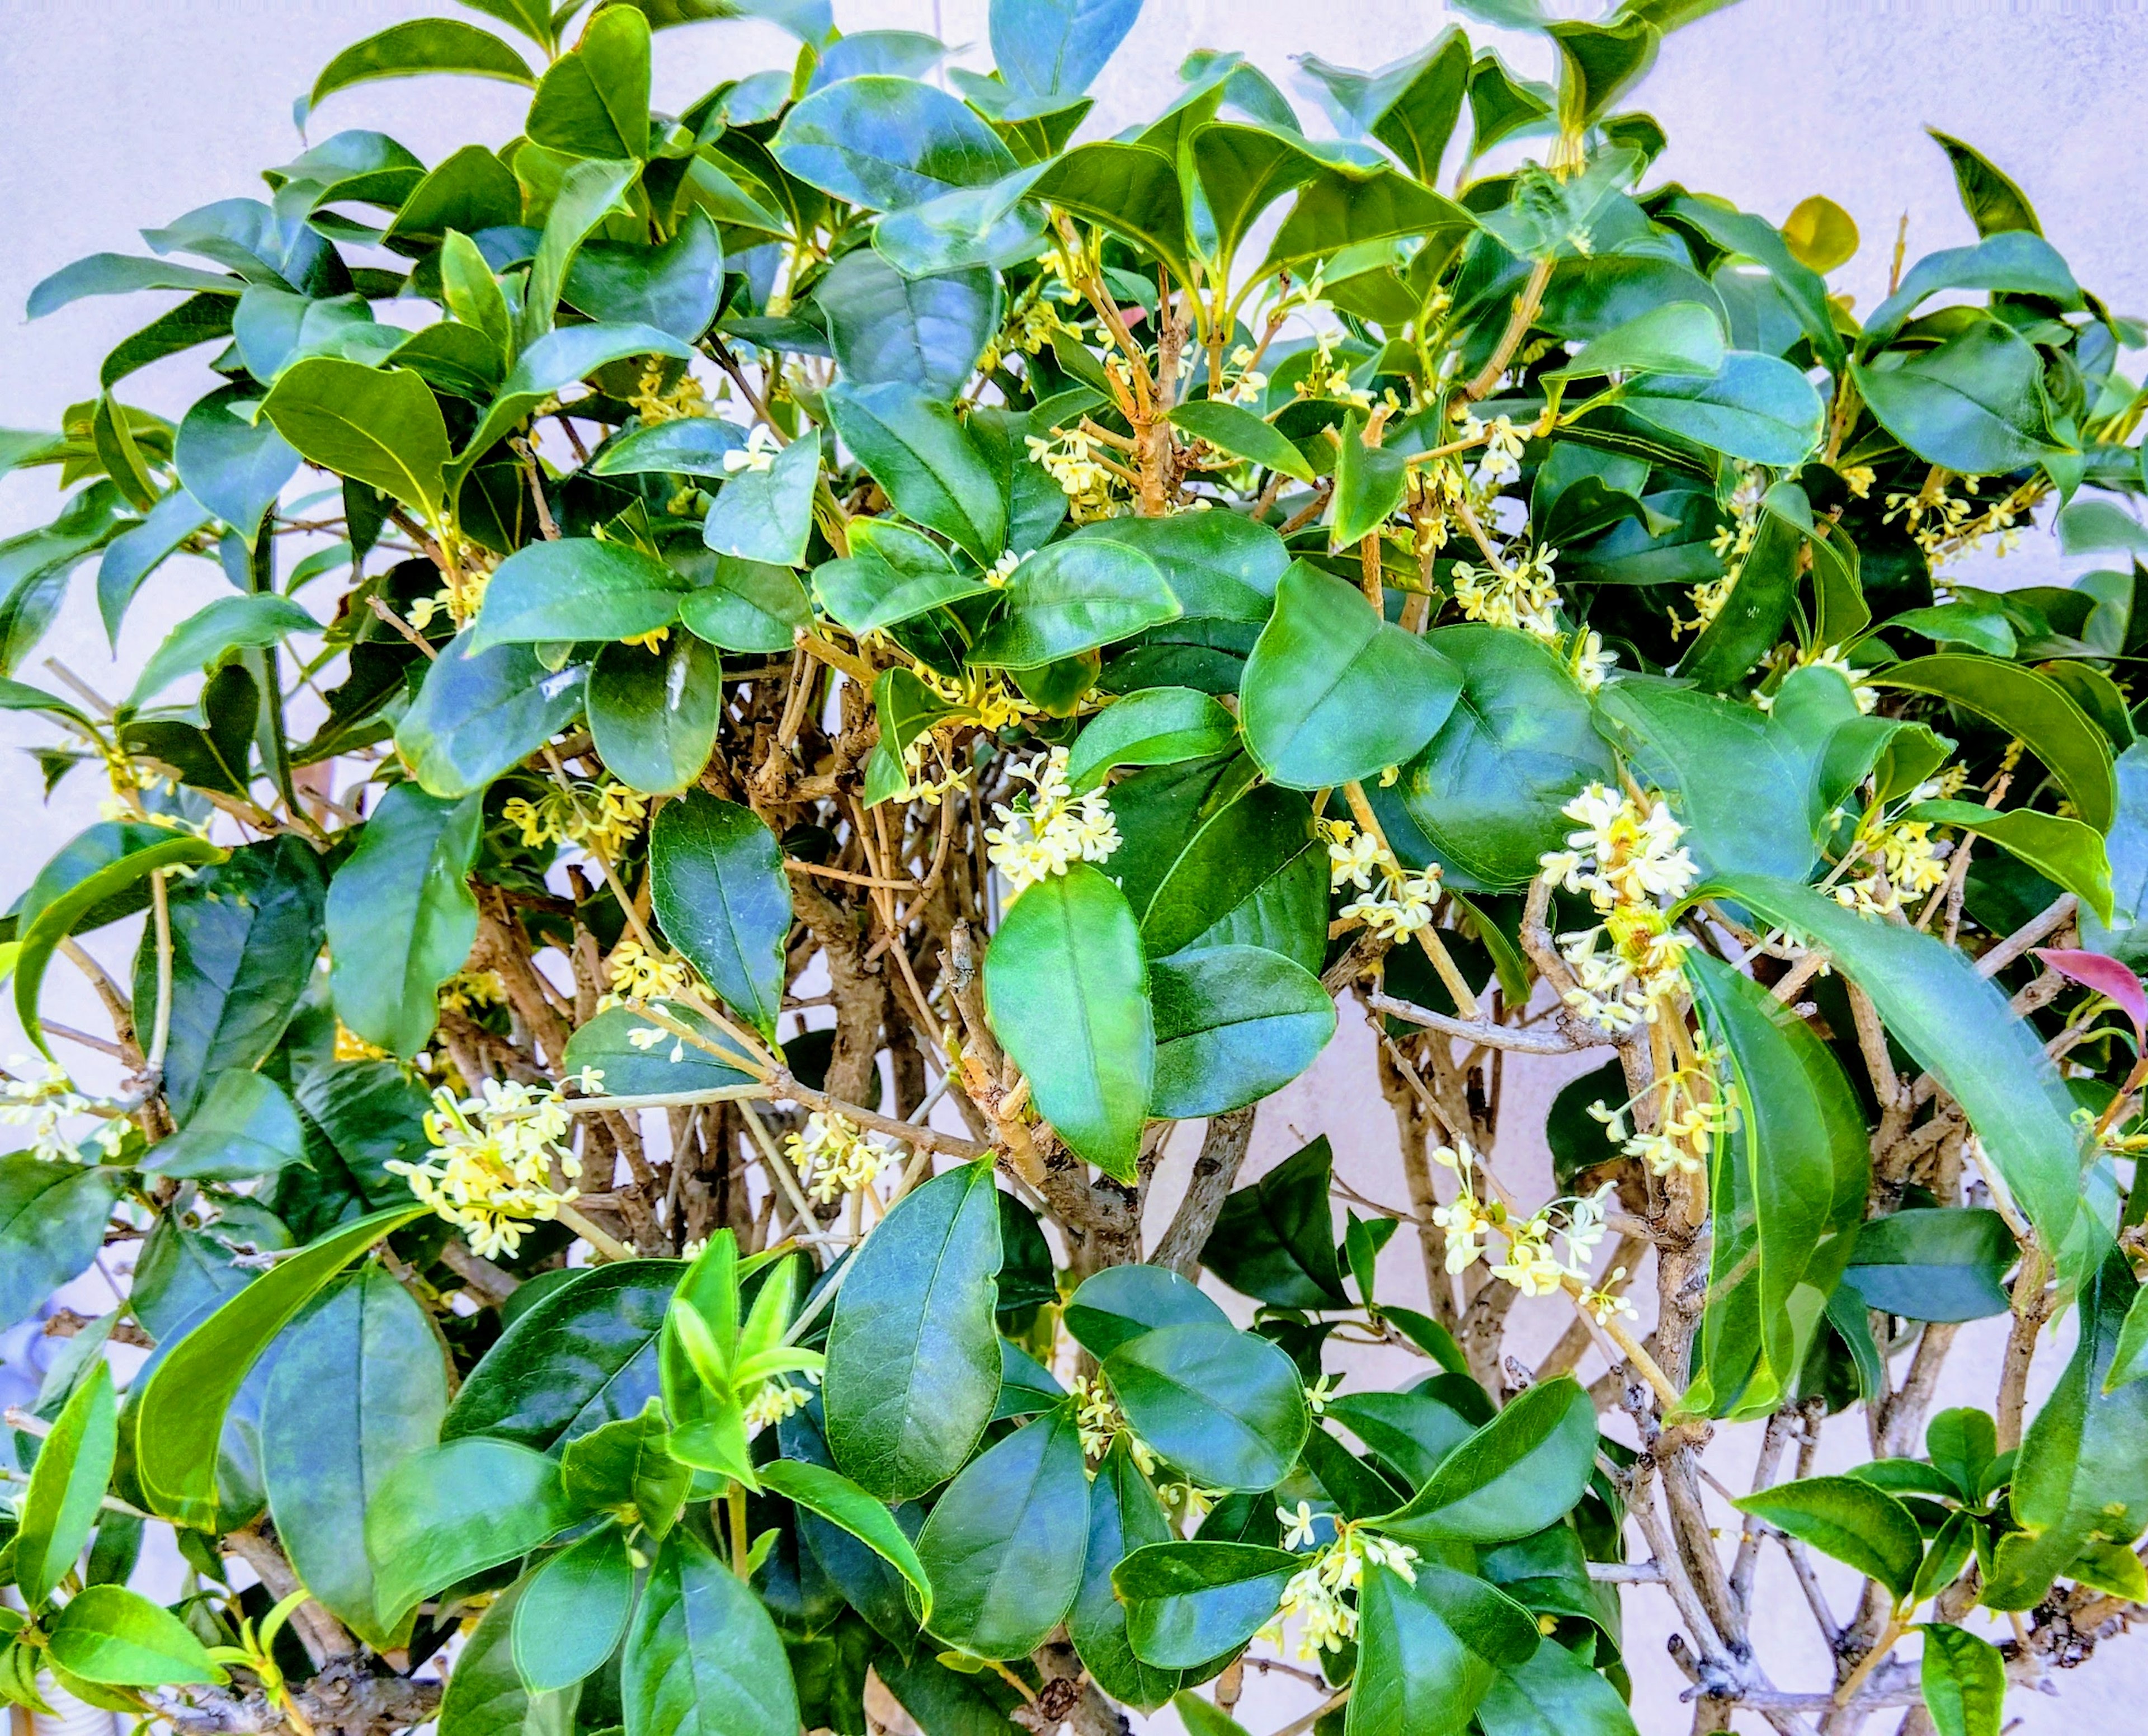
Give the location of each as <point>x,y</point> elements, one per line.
<point>767,515</point>
<point>572,1612</point>
<point>702,1658</point>
<point>1188,1604</point>
<point>123,274</point>
<point>1958,1025</point>
<point>885,143</point>
<point>243,1125</point>
<point>1345,207</point>
<point>358,1386</point>
<point>110,1635</point>
<point>1132,190</point>
<point>1243,170</point>
<point>1789,1186</point>
<point>841,1502</point>
<point>1231,428</point>
<point>379,426</point>
<point>2029,705</point>
<point>1553,1694</point>
<point>2012,262</point>
<point>892,575</point>
<point>423,45</point>
<point>1519,745</point>
<point>1124,1515</point>
<point>400,918</point>
<point>51,1224</point>
<point>1219,566</point>
<point>589,191</point>
<point>180,1409</point>
<point>2065,851</point>
<point>913,1358</point>
<point>148,852</point>
<point>581,1356</point>
<point>1071,597</point>
<point>926,459</point>
<point>246,933</point>
<point>555,360</point>
<point>1055,48</point>
<point>1233,1024</point>
<point>1155,726</point>
<point>1417,122</point>
<point>747,605</point>
<point>1523,1470</point>
<point>484,1694</point>
<point>627,1467</point>
<point>576,588</point>
<point>1275,1240</point>
<point>1975,403</point>
<point>1757,408</point>
<point>1121,1303</point>
<point>593,102</point>
<point>213,632</point>
<point>1370,482</point>
<point>928,331</point>
<point>1995,205</point>
<point>1065,987</point>
<point>450,1511</point>
<point>716,878</point>
<point>1223,1406</point>
<point>66,1487</point>
<point>1333,693</point>
<point>480,713</point>
<point>687,445</point>
<point>1410,1433</point>
<point>1847,1519</point>
<point>654,715</point>
<point>1679,337</point>
<point>2079,1478</point>
<point>1428,1653</point>
<point>1004,1546</point>
<point>131,556</point>
<point>233,468</point>
<point>1964,1677</point>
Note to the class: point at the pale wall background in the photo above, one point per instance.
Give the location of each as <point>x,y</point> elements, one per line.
<point>121,114</point>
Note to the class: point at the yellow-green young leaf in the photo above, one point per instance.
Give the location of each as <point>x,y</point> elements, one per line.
<point>380,426</point>
<point>913,1358</point>
<point>66,1485</point>
<point>1847,1519</point>
<point>423,45</point>
<point>569,1614</point>
<point>628,1465</point>
<point>1067,988</point>
<point>1964,1680</point>
<point>116,1637</point>
<point>1820,234</point>
<point>1231,428</point>
<point>1200,1717</point>
<point>841,1502</point>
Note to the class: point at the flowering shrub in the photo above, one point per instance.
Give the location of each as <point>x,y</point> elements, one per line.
<point>846,666</point>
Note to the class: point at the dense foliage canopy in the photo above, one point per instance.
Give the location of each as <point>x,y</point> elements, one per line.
<point>872,660</point>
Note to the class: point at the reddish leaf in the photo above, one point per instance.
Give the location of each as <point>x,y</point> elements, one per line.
<point>2107,977</point>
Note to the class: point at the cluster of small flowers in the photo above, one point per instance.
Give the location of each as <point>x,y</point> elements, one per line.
<point>1325,378</point>
<point>1101,1420</point>
<point>1947,527</point>
<point>1694,1112</point>
<point>1052,830</point>
<point>1069,457</point>
<point>778,1399</point>
<point>1003,569</point>
<point>1625,857</point>
<point>979,698</point>
<point>1525,595</point>
<point>1502,459</point>
<point>1391,901</point>
<point>468,989</point>
<point>1248,385</point>
<point>491,1174</point>
<point>653,403</point>
<point>1708,600</point>
<point>599,815</point>
<point>1907,862</point>
<point>637,974</point>
<point>758,456</point>
<point>462,604</point>
<point>1029,328</point>
<point>1589,661</point>
<point>833,1156</point>
<point>1318,1595</point>
<point>39,1095</point>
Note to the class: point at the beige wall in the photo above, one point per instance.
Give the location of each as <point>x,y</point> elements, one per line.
<point>123,114</point>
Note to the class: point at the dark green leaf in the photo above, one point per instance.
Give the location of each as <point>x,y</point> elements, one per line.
<point>1521,1472</point>
<point>1758,408</point>
<point>1124,1516</point>
<point>381,427</point>
<point>1233,1024</point>
<point>233,468</point>
<point>1975,404</point>
<point>213,632</point>
<point>480,712</point>
<point>1223,1406</point>
<point>575,588</point>
<point>1849,1519</point>
<point>928,331</point>
<point>767,515</point>
<point>1428,1653</point>
<point>453,1510</point>
<point>1553,1694</point>
<point>1239,432</point>
<point>689,445</point>
<point>243,1125</point>
<point>1071,597</point>
<point>885,143</point>
<point>1275,1240</point>
<point>1995,205</point>
<point>484,1694</point>
<point>654,715</point>
<point>702,1657</point>
<point>1219,565</point>
<point>1190,1603</point>
<point>1927,1264</point>
<point>716,878</point>
<point>51,1224</point>
<point>926,459</point>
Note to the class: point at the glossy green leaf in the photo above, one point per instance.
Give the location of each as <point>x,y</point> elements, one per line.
<point>400,919</point>
<point>689,445</point>
<point>1553,1694</point>
<point>51,1224</point>
<point>131,556</point>
<point>1225,1406</point>
<point>1124,1516</point>
<point>1005,1544</point>
<point>1188,1603</point>
<point>1132,189</point>
<point>243,1126</point>
<point>1975,404</point>
<point>892,575</point>
<point>382,427</point>
<point>358,1386</point>
<point>1047,49</point>
<point>569,1617</point>
<point>1849,1519</point>
<point>1964,1680</point>
<point>1233,1024</point>
<point>1275,1240</point>
<point>717,882</point>
<point>576,588</point>
<point>2014,261</point>
<point>453,1510</point>
<point>1070,597</point>
<point>702,1658</point>
<point>587,192</point>
<point>423,45</point>
<point>1521,1472</point>
<point>1428,1653</point>
<point>654,715</point>
<point>180,1409</point>
<point>1410,1433</point>
<point>593,102</point>
<point>927,461</point>
<point>1155,726</point>
<point>1121,1303</point>
<point>885,143</point>
<point>1518,745</point>
<point>1679,337</point>
<point>1370,483</point>
<point>1346,208</point>
<point>123,274</point>
<point>552,360</point>
<point>1239,432</point>
<point>110,1635</point>
<point>66,1485</point>
<point>841,1502</point>
<point>1219,565</point>
<point>2030,705</point>
<point>1756,406</point>
<point>1927,1264</point>
<point>484,1694</point>
<point>1331,693</point>
<point>234,468</point>
<point>1065,986</point>
<point>913,1357</point>
<point>227,624</point>
<point>748,605</point>
<point>767,515</point>
<point>627,1467</point>
<point>928,331</point>
<point>1761,599</point>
